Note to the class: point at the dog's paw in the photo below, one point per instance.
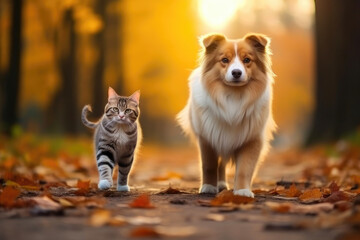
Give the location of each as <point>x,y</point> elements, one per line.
<point>222,186</point>
<point>244,192</point>
<point>123,188</point>
<point>104,184</point>
<point>208,188</point>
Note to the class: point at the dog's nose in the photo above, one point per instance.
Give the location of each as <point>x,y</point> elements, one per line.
<point>236,73</point>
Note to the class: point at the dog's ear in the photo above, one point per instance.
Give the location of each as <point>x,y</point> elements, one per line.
<point>211,41</point>
<point>259,41</point>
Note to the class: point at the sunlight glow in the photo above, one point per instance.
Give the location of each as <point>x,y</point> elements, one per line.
<point>216,13</point>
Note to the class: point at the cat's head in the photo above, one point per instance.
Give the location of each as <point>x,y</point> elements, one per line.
<point>122,110</point>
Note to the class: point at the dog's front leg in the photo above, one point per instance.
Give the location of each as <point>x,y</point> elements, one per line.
<point>209,161</point>
<point>246,159</point>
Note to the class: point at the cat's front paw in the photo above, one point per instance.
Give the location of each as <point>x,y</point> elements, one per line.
<point>104,184</point>
<point>208,188</point>
<point>123,188</point>
<point>244,192</point>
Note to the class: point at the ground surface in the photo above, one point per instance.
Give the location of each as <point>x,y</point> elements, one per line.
<point>46,194</point>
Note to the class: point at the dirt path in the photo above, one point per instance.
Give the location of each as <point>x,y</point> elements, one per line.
<point>72,211</point>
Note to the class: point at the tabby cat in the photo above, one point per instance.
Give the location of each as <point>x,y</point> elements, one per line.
<point>117,134</point>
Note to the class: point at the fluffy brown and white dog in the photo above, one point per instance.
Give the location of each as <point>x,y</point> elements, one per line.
<point>229,109</point>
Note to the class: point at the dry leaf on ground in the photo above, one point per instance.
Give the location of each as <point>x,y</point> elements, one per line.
<point>215,217</point>
<point>46,206</point>
<point>144,232</point>
<point>170,190</point>
<point>228,196</point>
<point>292,191</point>
<point>8,197</point>
<point>311,195</point>
<point>337,196</point>
<point>143,201</point>
<point>99,217</point>
<point>83,187</point>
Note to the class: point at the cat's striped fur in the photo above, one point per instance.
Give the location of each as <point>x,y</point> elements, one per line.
<point>117,134</point>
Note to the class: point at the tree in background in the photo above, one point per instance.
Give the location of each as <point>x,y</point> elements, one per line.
<point>337,109</point>
<point>11,82</point>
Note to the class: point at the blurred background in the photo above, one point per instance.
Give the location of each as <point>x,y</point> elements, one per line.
<point>58,55</point>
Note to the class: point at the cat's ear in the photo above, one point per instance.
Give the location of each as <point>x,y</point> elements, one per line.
<point>136,96</point>
<point>112,93</point>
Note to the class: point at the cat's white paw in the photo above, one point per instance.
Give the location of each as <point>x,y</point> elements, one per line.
<point>222,185</point>
<point>104,184</point>
<point>208,188</point>
<point>123,188</point>
<point>244,192</point>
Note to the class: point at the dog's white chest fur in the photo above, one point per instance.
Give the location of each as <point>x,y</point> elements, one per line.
<point>228,124</point>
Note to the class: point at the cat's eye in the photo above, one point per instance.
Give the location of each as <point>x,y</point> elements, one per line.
<point>246,60</point>
<point>114,109</point>
<point>128,111</point>
<point>225,60</point>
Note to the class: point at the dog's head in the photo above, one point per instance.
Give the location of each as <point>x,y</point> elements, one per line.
<point>236,63</point>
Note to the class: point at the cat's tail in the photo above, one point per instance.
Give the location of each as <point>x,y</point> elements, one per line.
<point>84,119</point>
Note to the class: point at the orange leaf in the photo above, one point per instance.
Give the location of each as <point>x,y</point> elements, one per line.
<point>143,201</point>
<point>100,217</point>
<point>8,196</point>
<point>334,187</point>
<point>228,196</point>
<point>83,187</point>
<point>291,192</point>
<point>337,196</point>
<point>171,190</point>
<point>144,232</point>
<point>311,195</point>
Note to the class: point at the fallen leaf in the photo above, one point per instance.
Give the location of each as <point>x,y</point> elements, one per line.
<point>334,187</point>
<point>142,220</point>
<point>293,191</point>
<point>227,196</point>
<point>215,217</point>
<point>143,201</point>
<point>311,195</point>
<point>336,197</point>
<point>144,232</point>
<point>83,187</point>
<point>99,217</point>
<point>89,202</point>
<point>117,221</point>
<point>171,190</point>
<point>278,207</point>
<point>8,196</point>
<point>299,208</point>
<point>170,231</point>
<point>65,203</point>
<point>46,206</point>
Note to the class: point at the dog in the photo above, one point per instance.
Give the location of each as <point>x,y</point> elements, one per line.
<point>229,110</point>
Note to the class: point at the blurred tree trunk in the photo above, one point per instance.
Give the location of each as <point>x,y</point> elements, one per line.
<point>64,108</point>
<point>12,76</point>
<point>99,97</point>
<point>337,110</point>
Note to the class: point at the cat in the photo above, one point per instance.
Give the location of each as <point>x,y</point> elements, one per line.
<point>117,136</point>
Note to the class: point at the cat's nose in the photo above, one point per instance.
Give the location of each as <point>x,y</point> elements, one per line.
<point>121,116</point>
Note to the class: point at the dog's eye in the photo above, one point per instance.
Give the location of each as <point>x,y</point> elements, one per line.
<point>225,60</point>
<point>246,60</point>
